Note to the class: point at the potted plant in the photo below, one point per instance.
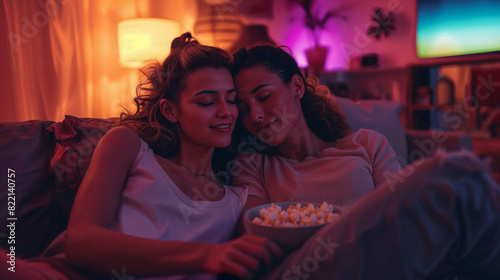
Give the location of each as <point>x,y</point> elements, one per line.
<point>316,55</point>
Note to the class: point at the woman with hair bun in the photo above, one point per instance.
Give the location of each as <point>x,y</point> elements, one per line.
<point>153,203</point>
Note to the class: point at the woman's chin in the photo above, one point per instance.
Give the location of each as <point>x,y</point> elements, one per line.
<point>273,142</point>
<point>222,144</point>
<point>267,137</point>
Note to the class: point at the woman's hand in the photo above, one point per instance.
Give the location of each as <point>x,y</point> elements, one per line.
<point>242,257</point>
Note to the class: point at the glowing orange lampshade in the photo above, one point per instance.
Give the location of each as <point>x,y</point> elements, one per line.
<point>143,39</point>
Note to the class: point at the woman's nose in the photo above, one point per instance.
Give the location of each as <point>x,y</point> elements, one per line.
<point>223,110</point>
<point>256,113</point>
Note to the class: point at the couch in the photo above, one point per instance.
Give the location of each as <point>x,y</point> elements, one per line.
<point>49,159</point>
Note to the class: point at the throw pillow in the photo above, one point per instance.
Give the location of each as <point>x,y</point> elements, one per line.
<point>379,115</point>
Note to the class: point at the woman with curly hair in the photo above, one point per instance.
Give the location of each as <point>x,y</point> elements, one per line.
<point>435,219</point>
<point>151,203</point>
<point>304,138</point>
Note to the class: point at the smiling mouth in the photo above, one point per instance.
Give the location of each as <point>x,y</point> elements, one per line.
<point>222,127</point>
<point>268,125</point>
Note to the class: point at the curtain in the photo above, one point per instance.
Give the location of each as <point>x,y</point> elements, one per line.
<point>26,67</point>
<point>61,56</point>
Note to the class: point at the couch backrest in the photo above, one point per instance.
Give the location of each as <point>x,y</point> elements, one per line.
<point>49,160</point>
<point>26,149</point>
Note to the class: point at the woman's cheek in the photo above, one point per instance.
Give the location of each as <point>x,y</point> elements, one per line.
<point>234,111</point>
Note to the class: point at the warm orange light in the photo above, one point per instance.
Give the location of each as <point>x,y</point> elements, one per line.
<point>217,2</point>
<point>143,39</point>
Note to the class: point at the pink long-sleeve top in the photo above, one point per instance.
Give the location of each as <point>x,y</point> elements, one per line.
<point>340,175</point>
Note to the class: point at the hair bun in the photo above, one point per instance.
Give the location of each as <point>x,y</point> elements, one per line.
<point>182,41</point>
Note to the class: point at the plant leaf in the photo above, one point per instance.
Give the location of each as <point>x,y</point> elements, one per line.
<point>327,16</point>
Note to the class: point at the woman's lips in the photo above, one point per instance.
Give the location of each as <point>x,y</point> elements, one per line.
<point>222,127</point>
<point>268,125</point>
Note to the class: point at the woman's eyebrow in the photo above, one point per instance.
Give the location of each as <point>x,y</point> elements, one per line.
<point>207,91</point>
<point>259,87</point>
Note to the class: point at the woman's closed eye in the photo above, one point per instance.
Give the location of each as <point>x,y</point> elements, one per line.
<point>231,99</point>
<point>263,96</point>
<point>206,103</point>
<point>206,100</point>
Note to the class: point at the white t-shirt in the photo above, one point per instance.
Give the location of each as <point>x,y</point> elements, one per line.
<point>152,206</point>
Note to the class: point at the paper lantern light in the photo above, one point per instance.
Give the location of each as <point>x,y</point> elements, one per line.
<point>217,30</point>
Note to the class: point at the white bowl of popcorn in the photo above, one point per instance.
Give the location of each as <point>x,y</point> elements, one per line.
<point>289,224</point>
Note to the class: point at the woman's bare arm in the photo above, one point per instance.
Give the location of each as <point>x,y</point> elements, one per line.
<point>91,244</point>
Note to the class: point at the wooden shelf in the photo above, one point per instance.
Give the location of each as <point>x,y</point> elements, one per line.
<point>431,107</point>
<point>418,82</point>
<point>366,70</point>
<point>469,77</point>
<point>464,59</point>
<point>370,82</point>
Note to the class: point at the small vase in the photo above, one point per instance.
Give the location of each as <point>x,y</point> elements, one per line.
<point>445,92</point>
<point>316,58</point>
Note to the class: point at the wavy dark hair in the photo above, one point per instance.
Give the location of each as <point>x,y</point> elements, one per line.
<point>323,119</point>
<point>167,81</point>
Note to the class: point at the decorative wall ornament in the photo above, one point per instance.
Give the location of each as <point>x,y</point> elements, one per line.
<point>382,23</point>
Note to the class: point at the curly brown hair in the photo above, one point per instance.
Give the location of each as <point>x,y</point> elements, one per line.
<point>167,81</point>
<point>324,120</point>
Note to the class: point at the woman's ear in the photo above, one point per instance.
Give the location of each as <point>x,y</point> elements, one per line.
<point>297,86</point>
<point>167,109</point>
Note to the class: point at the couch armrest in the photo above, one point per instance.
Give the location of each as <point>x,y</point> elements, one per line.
<point>424,143</point>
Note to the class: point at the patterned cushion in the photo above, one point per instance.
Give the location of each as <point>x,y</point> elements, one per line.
<point>76,141</point>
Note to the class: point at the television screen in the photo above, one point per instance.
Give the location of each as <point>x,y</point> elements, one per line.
<point>457,27</point>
